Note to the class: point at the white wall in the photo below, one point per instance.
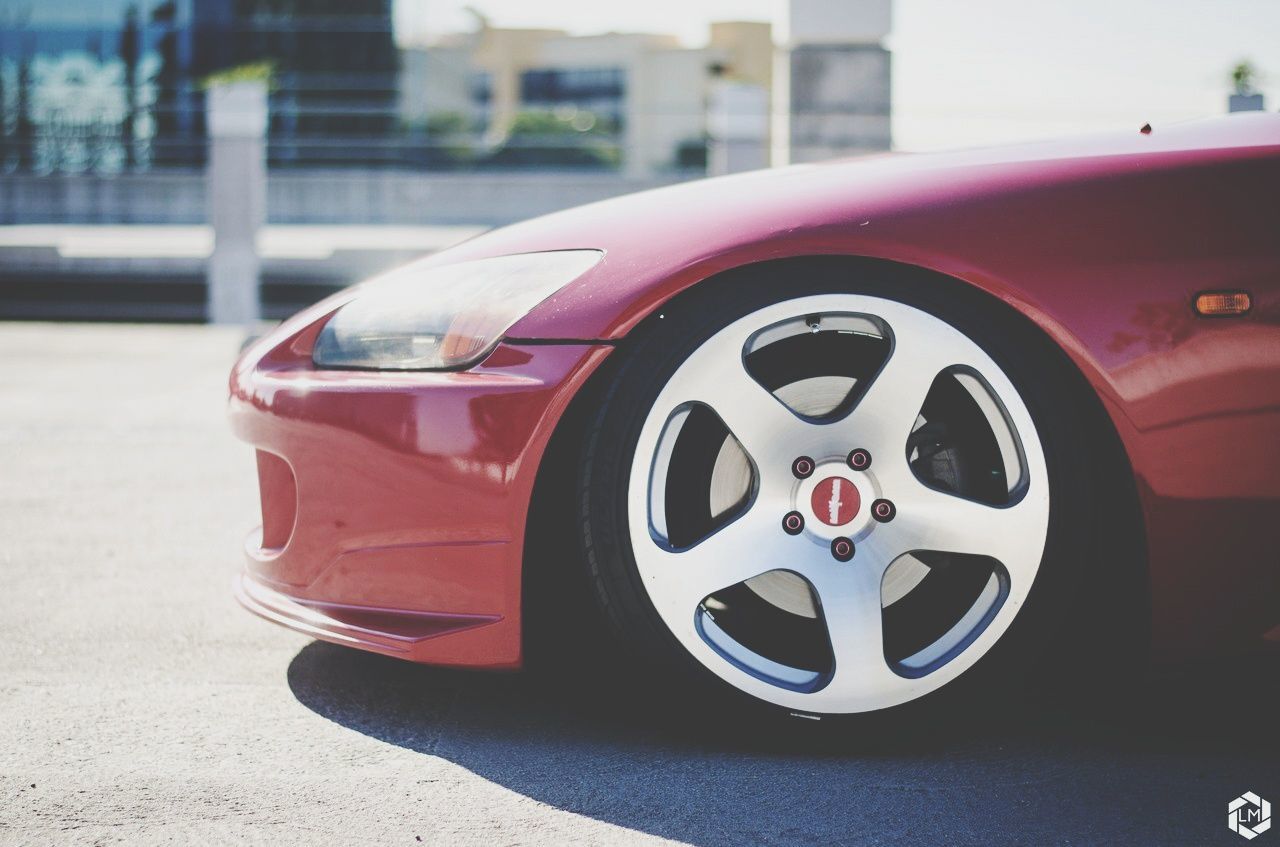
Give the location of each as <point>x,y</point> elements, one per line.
<point>840,21</point>
<point>666,105</point>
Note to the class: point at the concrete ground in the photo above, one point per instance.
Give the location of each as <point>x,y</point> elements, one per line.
<point>139,704</point>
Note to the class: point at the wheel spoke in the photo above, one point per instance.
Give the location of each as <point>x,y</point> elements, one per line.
<point>736,552</point>
<point>764,427</point>
<point>887,411</point>
<point>935,520</point>
<point>850,598</point>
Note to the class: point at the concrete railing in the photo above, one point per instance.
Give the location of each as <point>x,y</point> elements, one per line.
<point>319,196</point>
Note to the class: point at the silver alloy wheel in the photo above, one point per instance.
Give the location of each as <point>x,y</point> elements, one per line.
<point>849,594</point>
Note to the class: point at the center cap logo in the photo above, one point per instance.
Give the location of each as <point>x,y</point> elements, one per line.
<point>835,501</point>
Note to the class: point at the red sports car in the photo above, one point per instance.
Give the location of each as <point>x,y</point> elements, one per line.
<point>824,438</point>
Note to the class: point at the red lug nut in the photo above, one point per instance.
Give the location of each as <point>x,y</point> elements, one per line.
<point>859,459</point>
<point>803,467</point>
<point>792,523</point>
<point>842,549</point>
<point>883,510</point>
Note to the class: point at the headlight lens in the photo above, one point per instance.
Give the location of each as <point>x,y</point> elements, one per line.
<point>438,318</point>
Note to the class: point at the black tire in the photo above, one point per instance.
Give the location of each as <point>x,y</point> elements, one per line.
<point>1087,533</point>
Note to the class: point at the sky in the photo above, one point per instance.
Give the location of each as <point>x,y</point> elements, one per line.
<point>973,72</point>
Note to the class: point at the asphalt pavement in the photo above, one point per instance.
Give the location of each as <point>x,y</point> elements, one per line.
<point>140,705</point>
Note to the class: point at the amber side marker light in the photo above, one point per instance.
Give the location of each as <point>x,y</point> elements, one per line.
<point>1217,304</point>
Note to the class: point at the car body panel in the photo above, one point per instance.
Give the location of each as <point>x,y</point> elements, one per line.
<point>411,496</point>
<point>1101,242</point>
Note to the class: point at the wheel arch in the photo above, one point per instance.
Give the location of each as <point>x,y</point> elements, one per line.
<point>552,503</point>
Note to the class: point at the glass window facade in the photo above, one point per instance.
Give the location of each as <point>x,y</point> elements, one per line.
<point>601,91</point>
<point>115,85</point>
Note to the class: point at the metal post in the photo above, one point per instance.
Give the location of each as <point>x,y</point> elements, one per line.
<point>236,185</point>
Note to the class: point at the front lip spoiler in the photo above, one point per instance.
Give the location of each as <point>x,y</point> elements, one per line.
<point>391,632</point>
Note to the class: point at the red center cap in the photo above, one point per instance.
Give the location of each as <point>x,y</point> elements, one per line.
<point>835,501</point>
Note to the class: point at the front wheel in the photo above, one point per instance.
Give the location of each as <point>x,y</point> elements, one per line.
<point>835,500</point>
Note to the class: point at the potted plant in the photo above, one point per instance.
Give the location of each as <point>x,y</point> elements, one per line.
<point>1246,97</point>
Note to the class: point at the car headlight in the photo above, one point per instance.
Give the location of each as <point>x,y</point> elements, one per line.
<point>439,318</point>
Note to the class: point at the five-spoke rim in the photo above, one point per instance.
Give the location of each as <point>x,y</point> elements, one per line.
<point>894,514</point>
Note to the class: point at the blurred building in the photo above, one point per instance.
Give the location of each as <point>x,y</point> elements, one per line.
<point>840,80</point>
<point>103,121</point>
<point>638,99</point>
<point>335,72</point>
<point>112,85</point>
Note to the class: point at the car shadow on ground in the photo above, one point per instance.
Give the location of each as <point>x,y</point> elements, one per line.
<point>1156,766</point>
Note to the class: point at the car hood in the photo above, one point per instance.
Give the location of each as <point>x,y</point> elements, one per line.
<point>903,207</point>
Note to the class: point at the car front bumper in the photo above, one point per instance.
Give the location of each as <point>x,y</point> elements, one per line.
<point>394,503</point>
